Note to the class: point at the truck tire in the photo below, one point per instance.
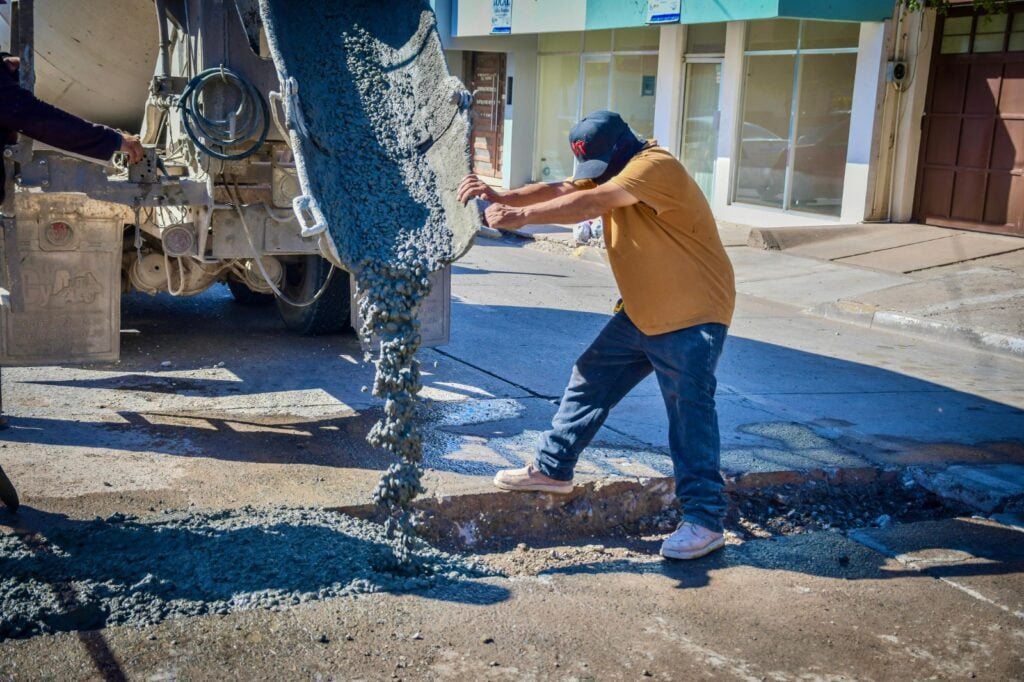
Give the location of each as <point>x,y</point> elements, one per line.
<point>8,495</point>
<point>243,295</point>
<point>329,314</point>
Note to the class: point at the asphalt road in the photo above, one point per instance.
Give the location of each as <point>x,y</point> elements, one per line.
<point>247,414</point>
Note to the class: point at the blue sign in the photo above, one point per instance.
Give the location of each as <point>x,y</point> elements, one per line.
<point>663,11</point>
<point>501,16</point>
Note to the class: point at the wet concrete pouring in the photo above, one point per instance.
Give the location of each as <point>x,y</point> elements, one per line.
<point>374,131</point>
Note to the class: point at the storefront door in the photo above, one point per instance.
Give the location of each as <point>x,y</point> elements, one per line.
<point>486,74</point>
<point>699,147</point>
<point>972,145</point>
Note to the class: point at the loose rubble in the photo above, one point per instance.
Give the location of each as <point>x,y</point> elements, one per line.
<point>819,506</point>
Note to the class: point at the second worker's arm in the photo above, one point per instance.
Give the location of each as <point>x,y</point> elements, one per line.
<point>529,195</point>
<point>20,110</point>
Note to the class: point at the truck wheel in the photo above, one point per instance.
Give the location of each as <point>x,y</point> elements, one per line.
<point>243,295</point>
<point>329,314</point>
<point>8,495</point>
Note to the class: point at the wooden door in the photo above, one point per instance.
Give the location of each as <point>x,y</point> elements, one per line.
<point>485,72</point>
<point>971,173</point>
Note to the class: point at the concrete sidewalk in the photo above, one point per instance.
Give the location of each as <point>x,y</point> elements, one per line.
<point>960,288</point>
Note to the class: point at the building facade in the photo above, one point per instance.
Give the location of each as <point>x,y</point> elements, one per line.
<point>786,112</point>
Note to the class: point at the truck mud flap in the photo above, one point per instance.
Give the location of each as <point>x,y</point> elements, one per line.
<point>60,258</point>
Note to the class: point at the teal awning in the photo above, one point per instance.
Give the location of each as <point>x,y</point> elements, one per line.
<point>705,11</point>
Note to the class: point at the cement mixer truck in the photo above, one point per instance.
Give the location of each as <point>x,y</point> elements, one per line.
<point>219,199</point>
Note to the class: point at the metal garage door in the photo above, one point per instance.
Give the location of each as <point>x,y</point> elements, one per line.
<point>971,172</point>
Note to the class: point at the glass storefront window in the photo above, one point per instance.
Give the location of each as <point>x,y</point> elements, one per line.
<point>822,132</point>
<point>557,112</point>
<point>705,38</point>
<point>633,91</point>
<point>559,42</point>
<point>773,34</point>
<point>956,35</point>
<point>1016,43</point>
<point>819,35</point>
<point>796,118</point>
<point>595,85</point>
<point>764,137</point>
<point>574,84</point>
<point>699,147</point>
<point>990,33</point>
<point>637,39</point>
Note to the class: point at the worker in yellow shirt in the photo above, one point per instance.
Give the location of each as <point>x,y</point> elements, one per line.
<point>678,294</point>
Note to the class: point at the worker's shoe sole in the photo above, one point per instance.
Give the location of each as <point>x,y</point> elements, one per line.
<point>529,479</point>
<point>558,489</point>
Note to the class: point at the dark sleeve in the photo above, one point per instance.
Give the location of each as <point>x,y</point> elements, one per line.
<point>20,110</point>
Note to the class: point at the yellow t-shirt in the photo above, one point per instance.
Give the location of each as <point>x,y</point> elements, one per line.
<point>665,252</point>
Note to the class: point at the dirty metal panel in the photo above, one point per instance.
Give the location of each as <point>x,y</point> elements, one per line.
<point>61,260</point>
<point>269,236</point>
<point>435,312</point>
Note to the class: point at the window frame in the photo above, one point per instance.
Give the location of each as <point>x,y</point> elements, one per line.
<point>582,58</point>
<point>794,117</point>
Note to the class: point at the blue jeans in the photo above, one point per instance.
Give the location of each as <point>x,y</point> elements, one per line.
<point>621,357</point>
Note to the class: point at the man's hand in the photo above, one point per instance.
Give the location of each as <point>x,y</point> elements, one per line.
<point>12,64</point>
<point>504,217</point>
<point>473,187</point>
<point>131,146</point>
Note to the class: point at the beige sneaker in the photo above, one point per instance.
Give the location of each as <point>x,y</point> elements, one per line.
<point>691,541</point>
<point>528,478</point>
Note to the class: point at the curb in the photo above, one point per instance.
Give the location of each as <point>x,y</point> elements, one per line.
<point>868,315</point>
<point>471,521</point>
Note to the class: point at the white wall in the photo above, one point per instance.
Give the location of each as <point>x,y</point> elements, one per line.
<point>918,53</point>
<point>868,101</point>
<point>667,109</point>
<point>536,16</point>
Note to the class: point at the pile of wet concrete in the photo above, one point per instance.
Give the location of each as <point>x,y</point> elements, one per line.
<point>83,575</point>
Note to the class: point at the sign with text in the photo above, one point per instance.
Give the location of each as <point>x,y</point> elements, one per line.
<point>663,11</point>
<point>501,16</point>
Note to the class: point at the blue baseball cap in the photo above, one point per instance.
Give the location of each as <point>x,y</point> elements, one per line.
<point>600,140</point>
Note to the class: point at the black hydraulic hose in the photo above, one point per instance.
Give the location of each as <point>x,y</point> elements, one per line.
<point>250,120</point>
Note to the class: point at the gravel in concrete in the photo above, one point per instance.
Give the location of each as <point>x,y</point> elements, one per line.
<point>58,574</point>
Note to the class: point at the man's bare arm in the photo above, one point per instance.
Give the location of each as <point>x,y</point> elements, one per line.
<point>473,187</point>
<point>570,208</point>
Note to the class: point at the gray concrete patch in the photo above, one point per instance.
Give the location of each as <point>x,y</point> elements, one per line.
<point>58,574</point>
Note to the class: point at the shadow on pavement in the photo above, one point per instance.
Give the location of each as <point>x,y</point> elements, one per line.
<point>760,383</point>
<point>831,555</point>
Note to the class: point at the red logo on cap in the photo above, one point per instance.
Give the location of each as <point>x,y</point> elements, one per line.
<point>579,149</point>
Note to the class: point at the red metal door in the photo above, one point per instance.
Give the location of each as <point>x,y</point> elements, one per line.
<point>486,74</point>
<point>971,172</point>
